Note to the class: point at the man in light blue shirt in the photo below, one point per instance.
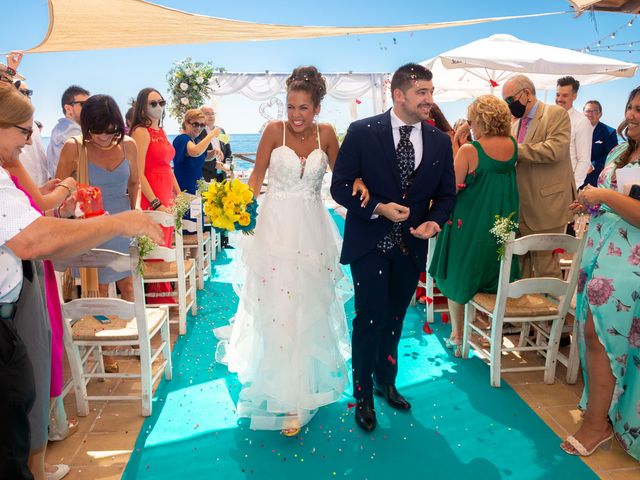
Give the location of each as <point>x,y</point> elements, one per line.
<point>72,101</point>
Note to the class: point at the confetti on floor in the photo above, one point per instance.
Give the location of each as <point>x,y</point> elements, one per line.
<point>459,426</point>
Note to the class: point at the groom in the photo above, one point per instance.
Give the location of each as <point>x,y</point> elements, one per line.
<point>407,165</point>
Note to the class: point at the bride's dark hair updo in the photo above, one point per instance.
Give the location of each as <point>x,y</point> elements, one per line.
<point>308,79</point>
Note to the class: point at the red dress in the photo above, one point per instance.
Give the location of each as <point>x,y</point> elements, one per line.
<point>159,174</point>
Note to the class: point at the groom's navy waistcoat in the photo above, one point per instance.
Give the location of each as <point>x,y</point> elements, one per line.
<point>368,152</point>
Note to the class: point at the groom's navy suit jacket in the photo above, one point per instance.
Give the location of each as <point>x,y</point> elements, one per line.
<point>368,152</point>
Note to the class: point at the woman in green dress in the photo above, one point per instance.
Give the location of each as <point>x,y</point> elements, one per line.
<point>608,302</point>
<point>465,260</point>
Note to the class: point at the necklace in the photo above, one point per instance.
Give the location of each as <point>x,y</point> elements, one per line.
<point>301,136</point>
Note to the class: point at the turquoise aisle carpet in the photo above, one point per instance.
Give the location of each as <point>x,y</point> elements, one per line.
<point>459,427</point>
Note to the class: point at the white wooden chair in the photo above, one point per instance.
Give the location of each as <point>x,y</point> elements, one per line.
<point>431,307</point>
<point>93,323</point>
<point>571,361</point>
<point>526,302</point>
<point>173,268</point>
<point>198,243</point>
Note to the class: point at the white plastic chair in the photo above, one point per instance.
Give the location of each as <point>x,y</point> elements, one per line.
<point>93,323</point>
<point>173,268</point>
<point>526,302</point>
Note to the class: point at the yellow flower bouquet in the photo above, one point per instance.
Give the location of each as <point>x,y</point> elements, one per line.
<point>230,205</point>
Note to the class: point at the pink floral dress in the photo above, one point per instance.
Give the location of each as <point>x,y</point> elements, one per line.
<point>609,286</point>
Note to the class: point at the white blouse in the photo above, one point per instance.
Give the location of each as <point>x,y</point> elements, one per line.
<point>16,213</point>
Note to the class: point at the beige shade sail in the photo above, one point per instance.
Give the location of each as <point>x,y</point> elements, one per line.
<point>620,6</point>
<point>100,24</point>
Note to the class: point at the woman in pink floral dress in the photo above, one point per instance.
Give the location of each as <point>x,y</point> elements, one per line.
<point>608,303</point>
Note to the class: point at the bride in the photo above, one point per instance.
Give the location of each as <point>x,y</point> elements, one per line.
<point>289,337</point>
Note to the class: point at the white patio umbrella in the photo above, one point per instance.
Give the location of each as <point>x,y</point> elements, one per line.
<point>479,67</point>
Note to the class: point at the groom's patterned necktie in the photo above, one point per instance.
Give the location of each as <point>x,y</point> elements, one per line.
<point>406,156</point>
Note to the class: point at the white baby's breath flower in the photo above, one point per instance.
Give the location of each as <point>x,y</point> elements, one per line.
<point>502,228</point>
<point>188,71</point>
<point>184,101</point>
<point>184,87</point>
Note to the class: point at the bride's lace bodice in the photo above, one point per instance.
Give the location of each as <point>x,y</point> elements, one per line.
<point>288,177</point>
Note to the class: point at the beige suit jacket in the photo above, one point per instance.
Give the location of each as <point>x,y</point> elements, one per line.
<point>544,172</point>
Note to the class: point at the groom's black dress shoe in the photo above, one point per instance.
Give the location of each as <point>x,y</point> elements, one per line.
<point>365,414</point>
<point>392,396</point>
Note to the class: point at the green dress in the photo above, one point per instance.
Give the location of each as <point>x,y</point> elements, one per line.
<point>465,260</point>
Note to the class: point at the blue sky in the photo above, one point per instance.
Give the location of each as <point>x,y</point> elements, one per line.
<point>123,72</point>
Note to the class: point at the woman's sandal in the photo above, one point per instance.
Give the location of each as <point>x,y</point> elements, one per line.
<point>111,367</point>
<point>292,427</point>
<point>581,451</point>
<point>451,344</point>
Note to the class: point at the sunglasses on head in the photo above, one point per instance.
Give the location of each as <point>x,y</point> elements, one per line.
<point>25,91</point>
<point>512,98</point>
<point>155,103</point>
<point>198,124</point>
<point>26,131</point>
<point>110,131</point>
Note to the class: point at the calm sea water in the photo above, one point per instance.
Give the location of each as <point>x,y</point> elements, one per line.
<point>240,143</point>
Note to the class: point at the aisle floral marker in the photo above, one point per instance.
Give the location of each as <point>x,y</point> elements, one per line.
<point>502,228</point>
<point>145,247</point>
<point>179,207</point>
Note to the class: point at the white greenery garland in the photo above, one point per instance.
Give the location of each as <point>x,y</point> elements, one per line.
<point>189,85</point>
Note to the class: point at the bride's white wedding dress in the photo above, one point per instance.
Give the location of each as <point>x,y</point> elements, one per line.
<point>289,337</point>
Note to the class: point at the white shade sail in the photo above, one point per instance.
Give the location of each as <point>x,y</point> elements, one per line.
<point>479,67</point>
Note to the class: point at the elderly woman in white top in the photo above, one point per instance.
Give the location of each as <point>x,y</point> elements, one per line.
<point>24,335</point>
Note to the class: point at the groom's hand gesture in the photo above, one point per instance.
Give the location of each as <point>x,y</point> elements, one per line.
<point>392,211</point>
<point>425,230</point>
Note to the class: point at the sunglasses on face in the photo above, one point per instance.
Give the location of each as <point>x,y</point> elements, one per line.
<point>155,103</point>
<point>198,124</point>
<point>110,131</point>
<point>512,98</point>
<point>26,131</point>
<point>78,102</point>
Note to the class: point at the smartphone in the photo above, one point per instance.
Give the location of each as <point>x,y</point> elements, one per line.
<point>102,318</point>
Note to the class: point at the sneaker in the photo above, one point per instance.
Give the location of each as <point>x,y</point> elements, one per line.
<point>61,471</point>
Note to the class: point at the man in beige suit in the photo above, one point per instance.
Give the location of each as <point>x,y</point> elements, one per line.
<point>544,172</point>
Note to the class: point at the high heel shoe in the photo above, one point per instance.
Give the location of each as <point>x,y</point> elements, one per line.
<point>582,451</point>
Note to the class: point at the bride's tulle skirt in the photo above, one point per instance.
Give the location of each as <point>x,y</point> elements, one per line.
<point>288,341</point>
